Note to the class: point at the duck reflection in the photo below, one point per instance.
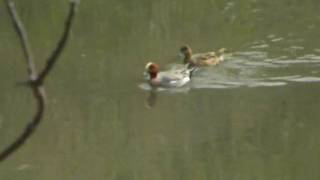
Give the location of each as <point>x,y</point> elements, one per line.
<point>152,98</point>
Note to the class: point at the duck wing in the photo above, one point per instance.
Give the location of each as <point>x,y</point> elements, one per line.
<point>204,56</point>
<point>209,58</point>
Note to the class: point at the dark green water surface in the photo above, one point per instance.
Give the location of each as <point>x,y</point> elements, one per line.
<point>256,116</point>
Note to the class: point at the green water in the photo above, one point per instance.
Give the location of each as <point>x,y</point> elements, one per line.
<point>253,117</point>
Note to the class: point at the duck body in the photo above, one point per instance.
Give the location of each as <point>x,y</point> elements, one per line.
<point>167,79</point>
<point>205,59</point>
<point>201,59</point>
<point>171,79</point>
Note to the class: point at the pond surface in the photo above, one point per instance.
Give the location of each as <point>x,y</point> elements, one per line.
<point>254,116</point>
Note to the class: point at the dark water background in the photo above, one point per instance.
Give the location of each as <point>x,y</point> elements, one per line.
<point>255,116</point>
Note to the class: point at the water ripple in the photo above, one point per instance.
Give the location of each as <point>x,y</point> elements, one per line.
<point>297,61</point>
<point>255,69</point>
<point>306,79</point>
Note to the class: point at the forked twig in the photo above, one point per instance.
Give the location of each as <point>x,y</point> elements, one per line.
<point>36,80</point>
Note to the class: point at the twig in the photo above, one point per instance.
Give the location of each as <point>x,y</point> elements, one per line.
<point>24,40</point>
<point>39,95</point>
<point>61,44</point>
<point>35,79</point>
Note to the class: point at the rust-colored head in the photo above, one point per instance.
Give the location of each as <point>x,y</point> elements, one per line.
<point>152,69</point>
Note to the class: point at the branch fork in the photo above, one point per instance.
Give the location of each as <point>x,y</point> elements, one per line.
<point>36,80</point>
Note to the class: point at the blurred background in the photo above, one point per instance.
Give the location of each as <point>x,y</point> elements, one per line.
<point>254,116</point>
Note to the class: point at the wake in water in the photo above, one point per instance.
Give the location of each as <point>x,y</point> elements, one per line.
<point>259,65</point>
<point>255,68</point>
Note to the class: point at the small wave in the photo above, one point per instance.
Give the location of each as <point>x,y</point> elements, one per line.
<point>147,87</point>
<point>253,54</point>
<point>260,46</point>
<point>267,84</point>
<point>310,56</point>
<point>296,61</point>
<point>294,48</point>
<point>306,79</point>
<point>277,39</point>
<point>317,50</point>
<point>285,77</point>
<point>212,86</point>
<point>264,64</point>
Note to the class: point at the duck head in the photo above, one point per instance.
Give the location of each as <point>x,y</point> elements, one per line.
<point>152,69</point>
<point>186,52</point>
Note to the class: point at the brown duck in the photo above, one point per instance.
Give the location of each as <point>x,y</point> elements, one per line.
<point>201,59</point>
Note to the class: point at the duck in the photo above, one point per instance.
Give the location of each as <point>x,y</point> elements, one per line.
<point>169,78</point>
<point>201,59</point>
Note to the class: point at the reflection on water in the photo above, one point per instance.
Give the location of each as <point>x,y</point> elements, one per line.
<point>152,99</point>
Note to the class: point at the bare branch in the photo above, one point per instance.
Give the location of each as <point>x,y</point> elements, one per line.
<point>35,79</point>
<point>61,44</point>
<point>31,126</point>
<point>23,39</point>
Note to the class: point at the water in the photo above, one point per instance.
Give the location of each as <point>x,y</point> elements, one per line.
<point>254,116</point>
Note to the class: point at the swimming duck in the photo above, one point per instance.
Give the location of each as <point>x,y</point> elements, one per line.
<point>168,79</point>
<point>201,59</point>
